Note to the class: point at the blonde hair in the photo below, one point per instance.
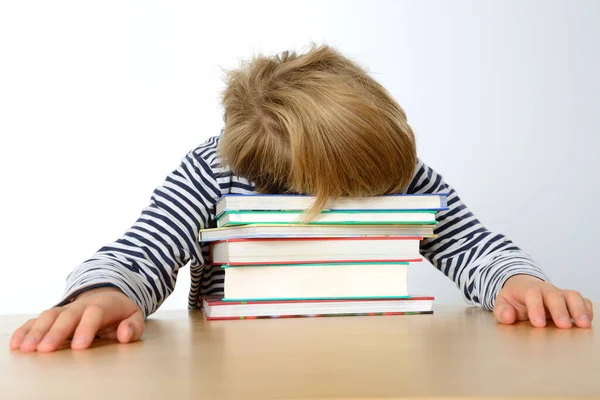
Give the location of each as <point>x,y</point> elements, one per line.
<point>315,124</point>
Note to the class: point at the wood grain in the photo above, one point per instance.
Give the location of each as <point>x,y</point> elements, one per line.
<point>456,353</point>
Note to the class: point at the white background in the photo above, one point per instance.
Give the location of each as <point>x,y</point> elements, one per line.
<point>100,100</point>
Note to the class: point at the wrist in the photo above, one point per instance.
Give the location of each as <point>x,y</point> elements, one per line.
<point>83,293</point>
<point>522,279</point>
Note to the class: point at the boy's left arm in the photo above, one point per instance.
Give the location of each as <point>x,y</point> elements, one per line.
<point>490,270</point>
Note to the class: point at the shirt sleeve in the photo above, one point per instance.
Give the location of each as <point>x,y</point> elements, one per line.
<point>477,260</point>
<point>144,262</point>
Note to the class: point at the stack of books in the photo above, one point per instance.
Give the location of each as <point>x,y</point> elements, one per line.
<point>352,259</point>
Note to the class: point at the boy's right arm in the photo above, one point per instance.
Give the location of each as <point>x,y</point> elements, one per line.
<point>104,312</point>
<point>111,293</point>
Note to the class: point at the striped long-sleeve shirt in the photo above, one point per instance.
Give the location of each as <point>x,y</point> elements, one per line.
<point>145,261</point>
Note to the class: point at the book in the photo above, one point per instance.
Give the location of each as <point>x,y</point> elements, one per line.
<point>370,217</point>
<point>239,202</point>
<point>315,281</point>
<point>216,309</point>
<point>317,231</point>
<point>315,250</point>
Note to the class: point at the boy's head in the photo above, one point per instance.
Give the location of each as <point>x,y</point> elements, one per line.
<point>315,124</point>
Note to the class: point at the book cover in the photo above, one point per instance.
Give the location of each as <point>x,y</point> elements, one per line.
<point>214,259</point>
<point>265,231</point>
<point>327,217</point>
<point>255,201</point>
<point>241,318</point>
<point>215,309</point>
<point>217,300</point>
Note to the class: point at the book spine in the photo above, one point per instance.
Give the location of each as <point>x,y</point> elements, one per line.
<point>317,315</point>
<point>275,263</point>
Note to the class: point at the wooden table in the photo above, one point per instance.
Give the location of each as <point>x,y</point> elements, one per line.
<point>457,352</point>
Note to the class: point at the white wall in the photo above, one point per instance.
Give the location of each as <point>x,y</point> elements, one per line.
<point>100,100</point>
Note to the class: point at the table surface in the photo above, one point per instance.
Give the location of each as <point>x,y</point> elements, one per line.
<point>457,352</point>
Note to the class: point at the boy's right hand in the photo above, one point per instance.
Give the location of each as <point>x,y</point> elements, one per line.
<point>104,312</point>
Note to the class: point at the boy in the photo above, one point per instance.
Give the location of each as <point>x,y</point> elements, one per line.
<point>315,124</point>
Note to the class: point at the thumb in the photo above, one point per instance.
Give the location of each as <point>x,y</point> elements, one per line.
<point>131,328</point>
<point>504,312</point>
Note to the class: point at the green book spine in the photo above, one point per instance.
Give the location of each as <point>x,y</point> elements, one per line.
<point>231,223</point>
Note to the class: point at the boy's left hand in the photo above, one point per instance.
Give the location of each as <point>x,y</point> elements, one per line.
<point>524,297</point>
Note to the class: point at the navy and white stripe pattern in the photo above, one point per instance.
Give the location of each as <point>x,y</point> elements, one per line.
<point>145,261</point>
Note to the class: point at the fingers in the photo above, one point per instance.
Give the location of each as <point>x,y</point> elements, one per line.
<point>577,308</point>
<point>62,328</point>
<point>109,333</point>
<point>504,312</point>
<point>589,307</point>
<point>131,329</point>
<point>534,302</point>
<point>84,335</point>
<point>19,334</point>
<point>557,306</point>
<point>39,328</point>
<point>101,313</point>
